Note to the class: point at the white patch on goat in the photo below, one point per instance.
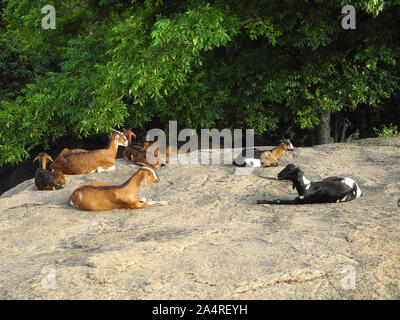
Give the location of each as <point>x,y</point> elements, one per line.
<point>351,183</point>
<point>250,162</point>
<point>125,143</point>
<point>301,197</point>
<point>80,196</point>
<point>291,146</point>
<point>159,203</point>
<point>112,168</point>
<point>359,193</point>
<point>306,182</point>
<point>344,199</point>
<point>99,169</point>
<point>71,203</point>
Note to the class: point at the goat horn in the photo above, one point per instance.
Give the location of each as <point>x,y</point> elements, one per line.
<point>115,130</point>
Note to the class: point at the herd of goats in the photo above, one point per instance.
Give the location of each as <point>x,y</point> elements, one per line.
<point>101,196</point>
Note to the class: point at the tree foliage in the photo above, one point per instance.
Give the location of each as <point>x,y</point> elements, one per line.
<point>256,64</point>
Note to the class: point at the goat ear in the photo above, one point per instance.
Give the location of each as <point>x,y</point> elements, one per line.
<point>36,159</point>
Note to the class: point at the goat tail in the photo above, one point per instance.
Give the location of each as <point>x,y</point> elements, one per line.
<point>277,202</point>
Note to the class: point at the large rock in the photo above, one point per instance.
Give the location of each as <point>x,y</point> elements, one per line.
<point>212,241</point>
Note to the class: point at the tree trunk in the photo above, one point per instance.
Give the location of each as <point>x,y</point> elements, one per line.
<point>344,129</point>
<point>336,128</point>
<point>324,128</point>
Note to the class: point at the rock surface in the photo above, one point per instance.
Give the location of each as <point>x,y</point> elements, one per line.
<point>212,241</point>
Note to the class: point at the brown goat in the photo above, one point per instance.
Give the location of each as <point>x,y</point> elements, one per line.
<point>46,179</point>
<point>139,155</point>
<point>100,196</point>
<point>76,162</point>
<point>155,148</point>
<point>164,158</point>
<point>129,135</point>
<point>270,158</point>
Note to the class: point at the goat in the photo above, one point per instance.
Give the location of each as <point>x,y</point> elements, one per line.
<point>141,157</point>
<point>155,148</point>
<point>264,158</point>
<point>46,179</point>
<point>164,157</point>
<point>129,135</point>
<point>81,162</point>
<point>333,189</point>
<point>138,154</point>
<point>100,196</point>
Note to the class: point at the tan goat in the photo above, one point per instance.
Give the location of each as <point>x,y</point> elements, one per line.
<point>76,162</point>
<point>100,196</point>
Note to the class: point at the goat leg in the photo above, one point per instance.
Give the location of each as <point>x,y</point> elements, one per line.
<point>157,203</point>
<point>138,205</point>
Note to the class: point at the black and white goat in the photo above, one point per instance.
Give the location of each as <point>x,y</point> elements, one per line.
<point>333,189</point>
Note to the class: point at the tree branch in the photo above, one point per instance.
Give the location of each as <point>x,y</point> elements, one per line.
<point>92,28</point>
<point>248,20</point>
<point>72,8</point>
